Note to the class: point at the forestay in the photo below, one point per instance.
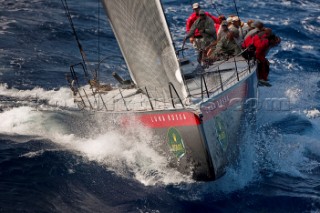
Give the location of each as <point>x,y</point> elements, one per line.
<point>141,30</point>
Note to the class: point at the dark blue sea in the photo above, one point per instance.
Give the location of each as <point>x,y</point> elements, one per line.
<point>55,160</point>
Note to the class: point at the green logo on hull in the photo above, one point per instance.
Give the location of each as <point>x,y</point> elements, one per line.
<point>175,143</point>
<point>221,133</point>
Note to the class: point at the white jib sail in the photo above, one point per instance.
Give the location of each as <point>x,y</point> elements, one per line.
<point>141,30</point>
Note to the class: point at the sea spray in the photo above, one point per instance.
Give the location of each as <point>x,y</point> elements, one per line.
<point>129,153</point>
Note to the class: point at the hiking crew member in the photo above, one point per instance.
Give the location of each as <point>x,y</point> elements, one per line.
<point>218,25</point>
<point>195,15</point>
<point>206,33</point>
<point>257,27</point>
<point>263,41</point>
<point>223,30</point>
<point>226,42</point>
<point>227,46</point>
<point>235,26</point>
<point>246,27</point>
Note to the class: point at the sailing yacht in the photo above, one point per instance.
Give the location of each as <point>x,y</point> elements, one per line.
<point>197,111</point>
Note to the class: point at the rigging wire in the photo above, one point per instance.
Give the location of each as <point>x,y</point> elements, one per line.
<point>235,5</point>
<point>214,6</point>
<point>83,55</point>
<point>97,71</point>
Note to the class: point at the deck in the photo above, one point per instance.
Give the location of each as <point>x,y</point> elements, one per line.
<point>201,84</point>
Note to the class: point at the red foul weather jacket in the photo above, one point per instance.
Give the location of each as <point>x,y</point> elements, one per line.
<point>193,17</point>
<point>247,42</point>
<point>262,46</point>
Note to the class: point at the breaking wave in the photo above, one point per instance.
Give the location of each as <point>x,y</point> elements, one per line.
<point>129,155</point>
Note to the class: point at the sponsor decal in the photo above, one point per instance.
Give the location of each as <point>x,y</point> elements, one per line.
<point>221,133</point>
<point>175,143</point>
<point>165,120</point>
<point>214,107</point>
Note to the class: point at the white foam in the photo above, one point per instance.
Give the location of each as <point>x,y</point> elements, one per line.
<point>293,94</point>
<point>129,154</point>
<point>124,155</point>
<point>33,154</point>
<point>22,120</point>
<point>287,155</point>
<point>307,47</point>
<point>4,25</point>
<point>244,171</point>
<point>287,45</point>
<point>62,97</point>
<point>312,113</point>
<point>286,2</point>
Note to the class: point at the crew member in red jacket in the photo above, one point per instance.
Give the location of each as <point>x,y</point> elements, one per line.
<point>195,15</point>
<point>263,41</point>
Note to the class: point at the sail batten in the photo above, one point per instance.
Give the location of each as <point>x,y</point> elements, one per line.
<point>144,38</point>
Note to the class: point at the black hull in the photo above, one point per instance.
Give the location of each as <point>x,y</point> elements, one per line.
<point>200,143</point>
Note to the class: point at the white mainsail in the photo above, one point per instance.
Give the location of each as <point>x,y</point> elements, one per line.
<point>141,30</point>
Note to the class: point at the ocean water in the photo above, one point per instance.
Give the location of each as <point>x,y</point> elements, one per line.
<point>57,160</point>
